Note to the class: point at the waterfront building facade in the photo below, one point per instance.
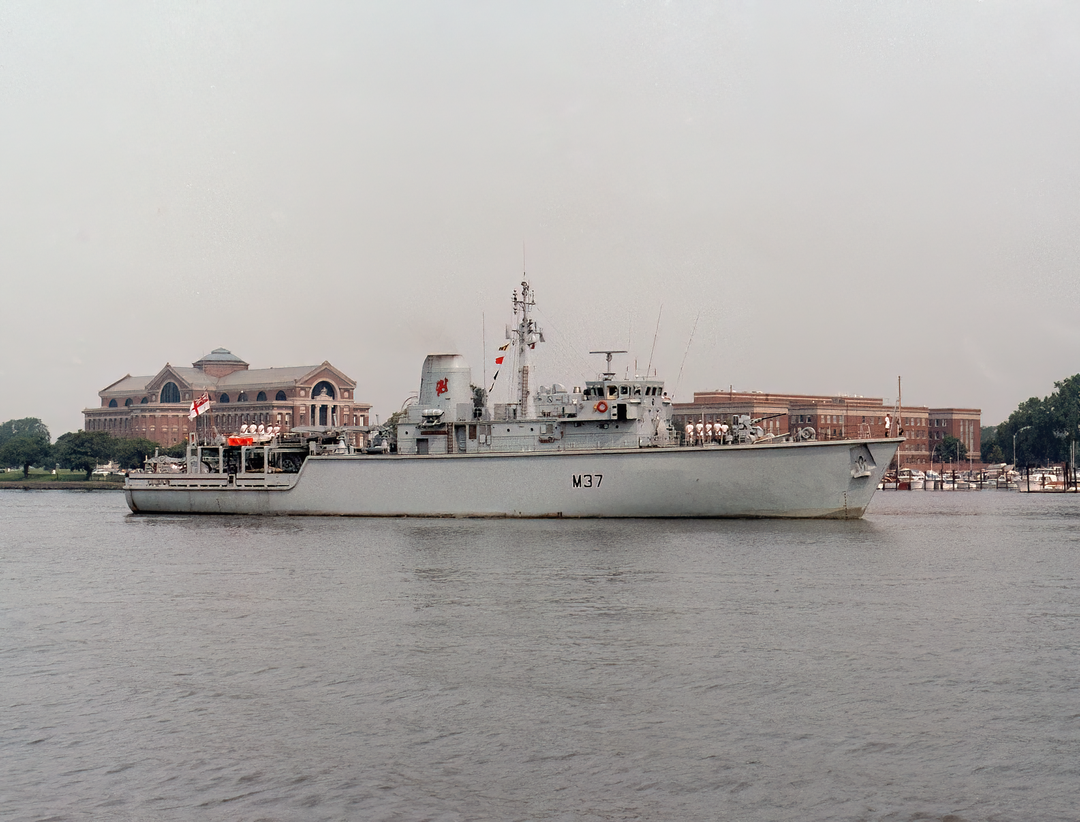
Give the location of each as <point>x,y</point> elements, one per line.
<point>838,417</point>
<point>156,407</point>
<point>963,423</point>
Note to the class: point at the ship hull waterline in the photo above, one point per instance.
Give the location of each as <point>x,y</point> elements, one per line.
<point>830,480</point>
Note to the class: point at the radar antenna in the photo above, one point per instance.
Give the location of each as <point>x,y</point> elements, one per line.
<point>609,374</point>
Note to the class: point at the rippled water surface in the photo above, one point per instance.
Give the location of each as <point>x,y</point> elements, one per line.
<point>919,664</point>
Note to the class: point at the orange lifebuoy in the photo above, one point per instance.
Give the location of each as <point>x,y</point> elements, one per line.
<point>601,407</point>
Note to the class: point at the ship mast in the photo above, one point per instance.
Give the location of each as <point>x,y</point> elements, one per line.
<point>527,335</point>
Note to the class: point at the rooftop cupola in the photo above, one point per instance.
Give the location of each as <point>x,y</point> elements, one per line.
<point>220,363</point>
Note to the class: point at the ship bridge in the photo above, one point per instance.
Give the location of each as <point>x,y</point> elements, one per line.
<point>623,389</point>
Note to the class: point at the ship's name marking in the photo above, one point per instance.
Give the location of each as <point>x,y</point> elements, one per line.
<point>588,480</point>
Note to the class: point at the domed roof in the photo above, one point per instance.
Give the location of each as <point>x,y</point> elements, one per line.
<point>221,355</point>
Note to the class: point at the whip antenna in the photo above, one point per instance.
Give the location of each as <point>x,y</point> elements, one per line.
<point>654,336</point>
<point>687,351</point>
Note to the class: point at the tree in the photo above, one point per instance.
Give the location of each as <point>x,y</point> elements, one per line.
<point>178,450</point>
<point>26,450</point>
<point>1043,429</point>
<point>1064,413</point>
<point>950,449</point>
<point>26,426</point>
<point>132,453</point>
<point>990,449</point>
<point>84,450</point>
<point>987,443</point>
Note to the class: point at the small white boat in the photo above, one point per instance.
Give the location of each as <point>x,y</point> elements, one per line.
<point>1042,480</point>
<point>912,478</point>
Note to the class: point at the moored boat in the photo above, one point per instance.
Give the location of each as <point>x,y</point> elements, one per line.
<point>1042,481</point>
<point>911,479</point>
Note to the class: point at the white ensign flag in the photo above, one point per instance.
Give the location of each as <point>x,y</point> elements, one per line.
<point>199,406</point>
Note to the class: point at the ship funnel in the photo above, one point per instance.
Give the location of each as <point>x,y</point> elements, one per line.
<point>445,385</point>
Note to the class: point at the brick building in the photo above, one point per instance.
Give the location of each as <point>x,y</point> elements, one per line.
<point>963,423</point>
<point>838,417</point>
<point>156,407</point>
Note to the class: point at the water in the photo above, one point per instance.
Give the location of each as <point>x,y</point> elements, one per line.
<point>919,664</point>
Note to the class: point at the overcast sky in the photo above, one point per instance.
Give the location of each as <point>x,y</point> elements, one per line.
<point>838,193</point>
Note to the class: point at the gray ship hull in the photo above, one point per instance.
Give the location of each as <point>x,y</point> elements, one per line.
<point>835,479</point>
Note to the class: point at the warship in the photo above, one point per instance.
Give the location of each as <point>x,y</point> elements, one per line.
<point>607,448</point>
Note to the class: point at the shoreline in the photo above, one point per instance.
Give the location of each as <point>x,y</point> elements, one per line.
<point>70,485</point>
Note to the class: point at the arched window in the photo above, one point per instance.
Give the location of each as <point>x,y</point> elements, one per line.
<point>323,388</point>
<point>127,402</point>
<point>170,393</point>
<point>112,403</point>
<point>280,396</point>
<point>261,397</point>
<point>242,397</point>
<point>223,398</point>
<point>144,401</point>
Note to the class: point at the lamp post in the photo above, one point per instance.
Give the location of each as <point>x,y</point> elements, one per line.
<point>1025,428</point>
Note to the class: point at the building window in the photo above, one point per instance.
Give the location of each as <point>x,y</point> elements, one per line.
<point>261,397</point>
<point>144,401</point>
<point>324,388</point>
<point>242,397</point>
<point>280,396</point>
<point>127,402</point>
<point>223,398</point>
<point>170,393</point>
<point>112,403</point>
